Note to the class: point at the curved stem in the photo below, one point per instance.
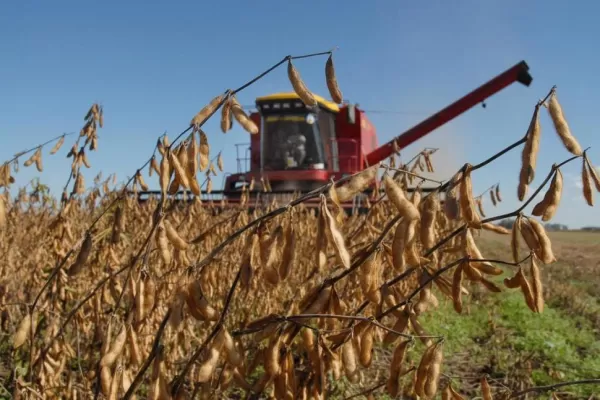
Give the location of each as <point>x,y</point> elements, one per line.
<point>22,153</point>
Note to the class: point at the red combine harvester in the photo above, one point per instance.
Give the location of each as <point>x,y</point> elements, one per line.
<point>299,149</point>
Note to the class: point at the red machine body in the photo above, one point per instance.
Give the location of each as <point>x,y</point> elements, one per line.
<point>345,148</point>
<point>298,149</point>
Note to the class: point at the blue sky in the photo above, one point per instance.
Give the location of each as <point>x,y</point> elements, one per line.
<point>153,65</point>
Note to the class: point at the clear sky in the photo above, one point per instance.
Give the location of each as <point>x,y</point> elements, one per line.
<point>153,65</point>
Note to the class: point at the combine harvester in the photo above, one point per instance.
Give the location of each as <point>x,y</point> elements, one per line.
<point>298,149</point>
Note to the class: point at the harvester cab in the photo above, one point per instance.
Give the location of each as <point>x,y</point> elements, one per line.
<point>299,149</point>
<point>293,136</point>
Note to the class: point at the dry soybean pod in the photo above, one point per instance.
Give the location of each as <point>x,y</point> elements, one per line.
<point>335,235</point>
<point>332,84</point>
<point>473,250</point>
<point>204,151</point>
<point>586,180</point>
<point>560,124</point>
<point>226,116</point>
<point>2,212</point>
<point>446,393</point>
<point>208,365</point>
<point>451,203</point>
<point>38,160</point>
<point>399,326</point>
<point>549,204</point>
<point>174,237</point>
<point>357,183</point>
<point>430,208</point>
<point>495,228</point>
<point>24,329</point>
<point>529,155</point>
<point>493,198</point>
<point>198,304</point>
<point>206,111</point>
<point>134,350</point>
<point>369,277</point>
<point>422,370</point>
<point>165,175</point>
<point>114,384</point>
<point>118,225</point>
<point>529,235</point>
<point>398,356</point>
<point>180,172</point>
<point>233,355</point>
<point>366,346</point>
<point>289,252</point>
<point>514,240</point>
<point>241,117</point>
<point>84,253</point>
<point>299,87</point>
<point>536,287</point>
<point>163,244</point>
<point>467,204</point>
<point>397,197</point>
<point>486,391</point>
<point>105,380</point>
<point>399,245</point>
<point>58,145</point>
<point>497,191</point>
<point>321,241</point>
<point>153,166</point>
<point>455,395</point>
<point>30,160</point>
<point>515,281</point>
<point>545,254</point>
<point>433,372</point>
<point>594,174</point>
<point>220,162</point>
<point>528,293</point>
<point>115,349</point>
<point>349,361</point>
<point>480,207</point>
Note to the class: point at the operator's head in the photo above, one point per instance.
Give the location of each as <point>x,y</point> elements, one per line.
<point>294,129</point>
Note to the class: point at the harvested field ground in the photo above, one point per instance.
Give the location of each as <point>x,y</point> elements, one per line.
<point>501,337</point>
<point>498,335</point>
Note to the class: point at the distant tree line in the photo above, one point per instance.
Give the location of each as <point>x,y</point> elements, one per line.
<point>508,223</point>
<point>591,228</point>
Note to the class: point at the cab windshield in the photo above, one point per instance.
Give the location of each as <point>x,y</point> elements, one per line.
<point>290,142</point>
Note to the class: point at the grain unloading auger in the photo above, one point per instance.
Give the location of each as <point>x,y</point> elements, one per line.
<point>298,149</point>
